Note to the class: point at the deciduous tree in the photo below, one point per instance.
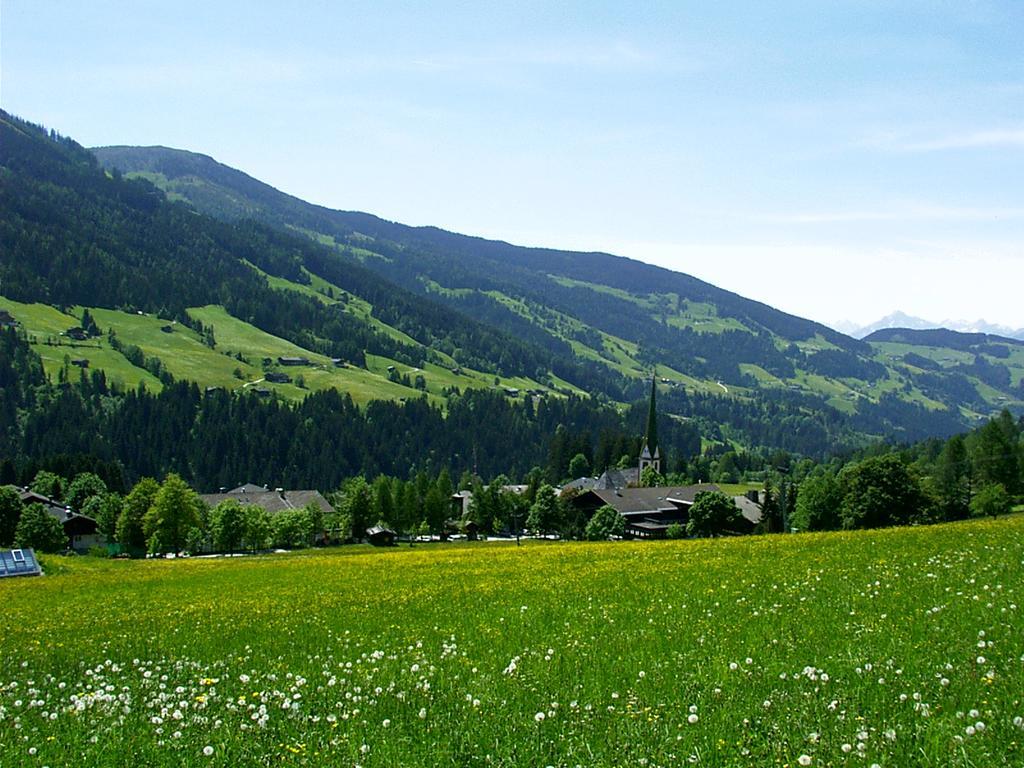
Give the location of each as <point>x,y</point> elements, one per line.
<point>129,530</point>
<point>818,504</point>
<point>227,525</point>
<point>881,491</point>
<point>175,510</point>
<point>605,523</point>
<point>991,501</point>
<point>712,514</point>
<point>40,530</point>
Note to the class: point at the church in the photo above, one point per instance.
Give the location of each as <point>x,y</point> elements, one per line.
<point>650,453</point>
<point>650,511</point>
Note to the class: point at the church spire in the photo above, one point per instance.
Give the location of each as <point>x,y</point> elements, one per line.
<point>650,455</point>
<point>651,438</point>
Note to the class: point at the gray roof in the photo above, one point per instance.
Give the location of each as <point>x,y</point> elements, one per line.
<point>618,478</point>
<point>580,484</point>
<point>645,501</point>
<point>250,488</point>
<point>53,508</point>
<point>272,501</point>
<point>749,509</point>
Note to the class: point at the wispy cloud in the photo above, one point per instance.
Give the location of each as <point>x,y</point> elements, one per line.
<point>901,141</point>
<point>1011,138</point>
<point>900,212</point>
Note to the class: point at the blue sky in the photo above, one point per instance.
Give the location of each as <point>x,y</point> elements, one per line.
<point>836,160</point>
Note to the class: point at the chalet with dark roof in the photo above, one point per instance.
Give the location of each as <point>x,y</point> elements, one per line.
<point>650,511</point>
<point>380,536</point>
<point>82,531</point>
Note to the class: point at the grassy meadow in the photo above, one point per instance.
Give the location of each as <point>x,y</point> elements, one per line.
<point>889,648</point>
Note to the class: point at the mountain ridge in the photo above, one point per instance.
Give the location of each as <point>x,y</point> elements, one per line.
<point>614,311</point>
<point>251,275</point>
<point>177,164</point>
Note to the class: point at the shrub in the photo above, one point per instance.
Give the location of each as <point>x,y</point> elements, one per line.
<point>39,530</point>
<point>605,523</point>
<point>991,501</point>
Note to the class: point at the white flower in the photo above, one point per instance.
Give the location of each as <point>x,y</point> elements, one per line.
<point>804,759</point>
<point>386,723</point>
<point>847,748</point>
<point>423,713</point>
<point>692,719</point>
<point>539,717</point>
<point>208,750</point>
<point>969,730</point>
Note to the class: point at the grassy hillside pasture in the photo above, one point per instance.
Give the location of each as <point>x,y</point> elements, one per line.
<point>234,335</point>
<point>181,351</point>
<point>896,648</point>
<point>318,288</point>
<point>891,352</point>
<point>45,325</point>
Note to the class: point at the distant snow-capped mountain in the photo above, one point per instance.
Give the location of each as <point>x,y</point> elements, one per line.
<point>900,319</point>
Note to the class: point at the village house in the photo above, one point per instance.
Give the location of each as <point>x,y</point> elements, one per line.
<point>82,531</point>
<point>379,536</point>
<point>649,512</point>
<point>272,500</point>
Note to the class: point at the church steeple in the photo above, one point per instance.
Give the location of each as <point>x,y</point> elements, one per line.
<point>650,454</point>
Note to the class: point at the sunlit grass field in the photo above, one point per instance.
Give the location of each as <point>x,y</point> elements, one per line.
<point>890,648</point>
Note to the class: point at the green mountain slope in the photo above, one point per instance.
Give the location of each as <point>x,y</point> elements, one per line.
<point>215,277</point>
<point>624,316</point>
